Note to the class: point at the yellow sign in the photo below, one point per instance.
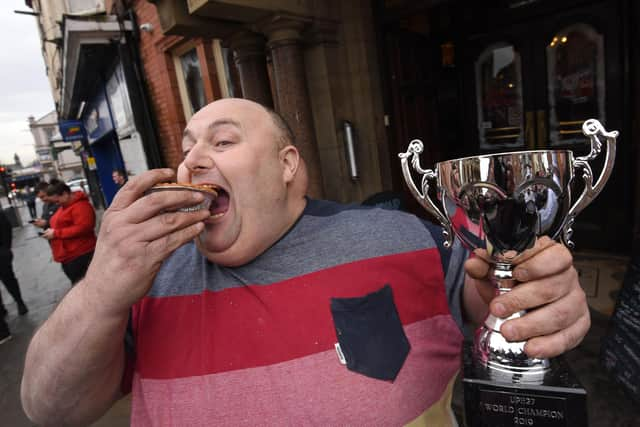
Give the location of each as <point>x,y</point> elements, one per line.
<point>91,163</point>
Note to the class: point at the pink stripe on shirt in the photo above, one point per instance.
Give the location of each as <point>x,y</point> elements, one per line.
<point>311,390</point>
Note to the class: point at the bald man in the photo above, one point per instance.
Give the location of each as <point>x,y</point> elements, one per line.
<point>273,308</point>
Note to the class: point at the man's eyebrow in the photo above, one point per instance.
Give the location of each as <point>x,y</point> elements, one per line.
<point>186,134</point>
<point>224,121</point>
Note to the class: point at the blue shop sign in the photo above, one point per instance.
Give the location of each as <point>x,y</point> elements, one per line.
<point>96,118</point>
<point>71,130</point>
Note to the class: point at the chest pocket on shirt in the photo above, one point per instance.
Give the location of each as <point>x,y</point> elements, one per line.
<point>370,334</point>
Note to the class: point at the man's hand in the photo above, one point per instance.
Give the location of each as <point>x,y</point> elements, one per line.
<point>39,222</point>
<point>137,234</point>
<point>558,315</point>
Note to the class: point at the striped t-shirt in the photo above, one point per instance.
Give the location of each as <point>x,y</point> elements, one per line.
<point>256,344</point>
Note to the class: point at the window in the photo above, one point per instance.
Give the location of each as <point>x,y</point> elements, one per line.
<point>190,82</point>
<point>499,97</point>
<point>198,84</point>
<point>224,65</point>
<point>575,75</point>
<point>193,80</point>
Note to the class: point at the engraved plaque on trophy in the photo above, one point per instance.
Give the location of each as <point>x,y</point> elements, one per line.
<point>502,203</point>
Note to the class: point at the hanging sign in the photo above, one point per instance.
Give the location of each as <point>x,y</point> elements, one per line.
<point>71,130</point>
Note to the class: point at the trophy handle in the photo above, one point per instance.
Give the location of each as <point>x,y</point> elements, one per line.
<point>592,128</point>
<point>415,148</point>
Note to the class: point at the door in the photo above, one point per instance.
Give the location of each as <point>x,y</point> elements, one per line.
<point>413,96</point>
<point>108,158</point>
<point>532,84</point>
<point>423,103</point>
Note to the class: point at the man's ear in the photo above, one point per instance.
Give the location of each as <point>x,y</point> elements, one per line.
<point>290,160</point>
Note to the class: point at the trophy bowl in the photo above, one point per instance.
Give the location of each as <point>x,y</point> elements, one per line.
<point>499,205</point>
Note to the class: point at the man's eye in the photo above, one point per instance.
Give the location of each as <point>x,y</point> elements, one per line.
<point>223,143</point>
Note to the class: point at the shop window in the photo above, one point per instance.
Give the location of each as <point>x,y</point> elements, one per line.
<point>575,76</point>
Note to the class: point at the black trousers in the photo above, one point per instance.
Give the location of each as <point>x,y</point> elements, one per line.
<point>8,277</point>
<point>32,209</point>
<point>77,267</point>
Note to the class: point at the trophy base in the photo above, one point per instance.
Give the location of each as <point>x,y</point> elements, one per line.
<point>558,399</point>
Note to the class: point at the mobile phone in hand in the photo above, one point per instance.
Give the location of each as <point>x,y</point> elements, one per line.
<point>40,233</point>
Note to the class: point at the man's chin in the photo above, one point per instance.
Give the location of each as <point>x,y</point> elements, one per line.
<point>215,253</point>
<point>230,256</point>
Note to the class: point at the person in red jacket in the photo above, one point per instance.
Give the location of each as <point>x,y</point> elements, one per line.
<point>71,231</point>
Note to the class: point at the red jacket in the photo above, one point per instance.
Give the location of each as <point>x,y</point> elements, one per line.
<point>73,227</point>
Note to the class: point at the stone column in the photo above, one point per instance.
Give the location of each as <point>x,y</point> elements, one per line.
<point>284,35</point>
<point>249,54</point>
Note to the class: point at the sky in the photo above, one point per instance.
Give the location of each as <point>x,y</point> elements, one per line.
<point>24,87</point>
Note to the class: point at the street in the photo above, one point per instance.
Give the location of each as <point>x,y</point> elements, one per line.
<point>43,284</point>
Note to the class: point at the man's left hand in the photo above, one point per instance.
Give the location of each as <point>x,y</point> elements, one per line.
<point>557,317</point>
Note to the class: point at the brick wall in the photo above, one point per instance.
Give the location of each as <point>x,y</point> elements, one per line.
<point>161,82</point>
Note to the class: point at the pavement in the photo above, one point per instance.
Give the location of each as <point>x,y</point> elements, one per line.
<point>43,285</point>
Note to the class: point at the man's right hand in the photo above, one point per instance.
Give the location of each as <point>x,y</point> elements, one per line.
<point>137,234</point>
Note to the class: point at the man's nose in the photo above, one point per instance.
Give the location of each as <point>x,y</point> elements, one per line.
<point>197,159</point>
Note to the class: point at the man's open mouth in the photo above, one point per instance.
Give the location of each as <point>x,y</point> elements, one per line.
<point>220,205</point>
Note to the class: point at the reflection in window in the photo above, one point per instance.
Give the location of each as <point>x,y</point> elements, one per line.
<point>193,80</point>
<point>575,75</point>
<point>499,97</point>
<point>227,57</point>
<point>226,71</point>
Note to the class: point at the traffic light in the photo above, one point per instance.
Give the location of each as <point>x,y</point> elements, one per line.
<point>3,179</point>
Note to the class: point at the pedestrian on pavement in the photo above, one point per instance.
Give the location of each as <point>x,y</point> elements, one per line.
<point>30,198</point>
<point>71,230</point>
<point>119,177</point>
<point>236,309</point>
<point>48,206</point>
<point>7,275</point>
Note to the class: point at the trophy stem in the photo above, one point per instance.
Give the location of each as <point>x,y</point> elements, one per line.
<point>505,361</point>
<point>502,278</point>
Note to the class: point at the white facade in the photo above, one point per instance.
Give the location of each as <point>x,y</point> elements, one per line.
<point>49,147</point>
<point>43,130</point>
<point>69,165</point>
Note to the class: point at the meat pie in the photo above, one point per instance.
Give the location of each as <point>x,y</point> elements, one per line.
<point>210,192</point>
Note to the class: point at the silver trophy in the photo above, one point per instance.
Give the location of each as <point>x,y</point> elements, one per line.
<point>502,203</point>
